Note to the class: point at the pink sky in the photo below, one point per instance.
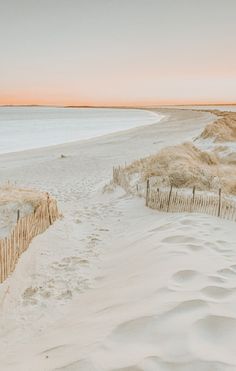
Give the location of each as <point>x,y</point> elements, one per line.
<point>104,52</point>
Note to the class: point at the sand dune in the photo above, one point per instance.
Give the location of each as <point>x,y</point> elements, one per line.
<point>184,166</point>
<point>115,286</point>
<point>12,200</point>
<point>188,165</point>
<point>223,129</point>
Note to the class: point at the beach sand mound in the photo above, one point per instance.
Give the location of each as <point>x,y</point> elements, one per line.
<point>17,202</point>
<point>11,194</point>
<point>13,201</point>
<point>186,166</point>
<point>24,214</point>
<point>223,129</point>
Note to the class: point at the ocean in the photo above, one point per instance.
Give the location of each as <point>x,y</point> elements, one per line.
<point>23,128</point>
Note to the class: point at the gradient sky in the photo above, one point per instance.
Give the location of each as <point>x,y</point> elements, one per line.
<point>117,52</point>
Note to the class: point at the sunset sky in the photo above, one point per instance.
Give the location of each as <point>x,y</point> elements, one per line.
<point>117,52</point>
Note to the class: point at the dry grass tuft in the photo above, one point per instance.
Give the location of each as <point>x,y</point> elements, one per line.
<point>10,193</point>
<point>222,130</point>
<point>185,166</point>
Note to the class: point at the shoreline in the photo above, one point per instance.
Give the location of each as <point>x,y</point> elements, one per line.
<point>77,141</point>
<point>66,145</point>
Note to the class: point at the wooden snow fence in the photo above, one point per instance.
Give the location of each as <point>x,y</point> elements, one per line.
<point>26,228</point>
<point>179,200</point>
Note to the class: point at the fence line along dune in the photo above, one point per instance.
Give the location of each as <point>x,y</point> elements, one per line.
<point>176,200</point>
<point>43,214</point>
<point>180,200</point>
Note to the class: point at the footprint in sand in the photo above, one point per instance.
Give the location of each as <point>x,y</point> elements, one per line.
<point>216,292</point>
<point>216,332</point>
<point>69,263</point>
<point>65,294</point>
<point>184,275</point>
<point>187,279</point>
<point>29,295</point>
<point>211,245</point>
<point>188,307</point>
<point>32,294</point>
<point>194,247</point>
<point>217,280</point>
<point>227,272</point>
<point>187,222</point>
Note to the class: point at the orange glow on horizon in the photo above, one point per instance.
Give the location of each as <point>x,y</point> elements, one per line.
<point>94,103</point>
<point>37,100</point>
<point>122,89</point>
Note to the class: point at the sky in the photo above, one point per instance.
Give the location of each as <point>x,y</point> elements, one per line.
<point>117,52</point>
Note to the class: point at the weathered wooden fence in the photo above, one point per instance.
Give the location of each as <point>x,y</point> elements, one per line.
<point>176,200</point>
<point>180,200</point>
<point>24,231</point>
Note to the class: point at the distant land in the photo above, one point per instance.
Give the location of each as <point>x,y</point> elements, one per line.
<point>120,106</point>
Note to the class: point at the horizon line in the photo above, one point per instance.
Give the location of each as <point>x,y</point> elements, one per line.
<point>120,106</point>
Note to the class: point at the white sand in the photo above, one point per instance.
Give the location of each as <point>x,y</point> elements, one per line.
<point>114,285</point>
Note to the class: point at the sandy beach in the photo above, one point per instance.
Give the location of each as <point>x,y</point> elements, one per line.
<point>115,286</point>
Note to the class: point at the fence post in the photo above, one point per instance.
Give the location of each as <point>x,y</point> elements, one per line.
<point>219,207</point>
<point>194,189</point>
<point>193,199</point>
<point>169,198</point>
<point>18,215</point>
<point>49,215</point>
<point>158,193</point>
<point>147,192</point>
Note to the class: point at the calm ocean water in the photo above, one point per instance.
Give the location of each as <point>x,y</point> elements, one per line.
<point>24,128</point>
